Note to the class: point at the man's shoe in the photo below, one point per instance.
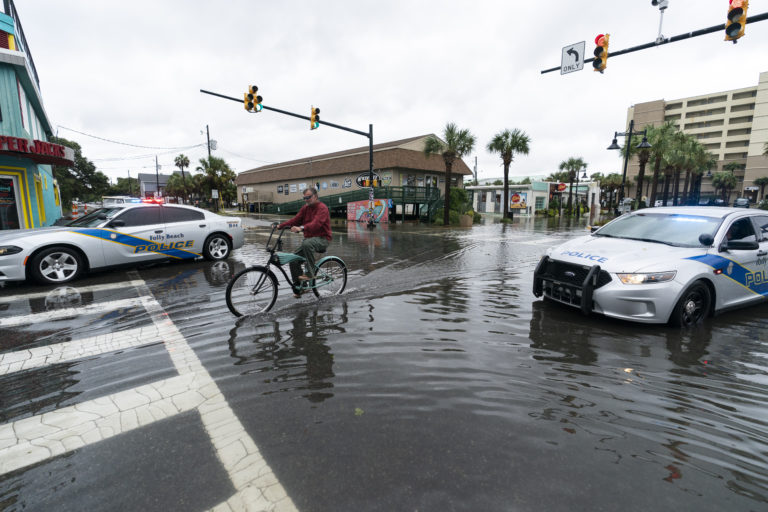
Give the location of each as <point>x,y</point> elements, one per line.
<point>304,278</point>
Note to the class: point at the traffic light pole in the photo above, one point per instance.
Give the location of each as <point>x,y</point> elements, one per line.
<point>364,134</point>
<point>695,33</point>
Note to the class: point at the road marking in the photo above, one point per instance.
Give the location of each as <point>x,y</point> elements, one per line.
<point>58,314</point>
<point>80,289</point>
<point>256,484</point>
<point>32,440</point>
<point>78,349</point>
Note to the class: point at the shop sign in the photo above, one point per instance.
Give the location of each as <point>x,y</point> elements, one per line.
<point>51,153</point>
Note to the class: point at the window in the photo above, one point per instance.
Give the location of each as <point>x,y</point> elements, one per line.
<point>761,225</point>
<point>741,230</point>
<point>173,214</point>
<point>143,216</point>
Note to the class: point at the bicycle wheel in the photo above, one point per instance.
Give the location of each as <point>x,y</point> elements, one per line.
<point>330,277</point>
<point>251,291</point>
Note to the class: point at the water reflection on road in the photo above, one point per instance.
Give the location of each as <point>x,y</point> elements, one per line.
<point>438,374</point>
<point>438,382</point>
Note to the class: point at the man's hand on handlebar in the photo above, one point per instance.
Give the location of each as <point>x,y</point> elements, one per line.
<point>296,229</point>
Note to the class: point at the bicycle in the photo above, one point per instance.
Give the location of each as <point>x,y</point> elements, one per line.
<point>254,290</point>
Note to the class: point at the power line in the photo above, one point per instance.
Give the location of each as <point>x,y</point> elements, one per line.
<point>125,143</point>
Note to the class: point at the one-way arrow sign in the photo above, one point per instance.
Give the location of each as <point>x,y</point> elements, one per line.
<point>573,58</point>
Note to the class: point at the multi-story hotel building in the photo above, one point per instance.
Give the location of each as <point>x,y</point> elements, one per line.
<point>732,126</point>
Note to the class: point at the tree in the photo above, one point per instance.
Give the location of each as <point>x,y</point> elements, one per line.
<point>660,140</point>
<point>573,166</point>
<point>175,186</point>
<point>560,177</point>
<point>125,187</point>
<point>457,144</point>
<point>217,175</point>
<point>725,182</point>
<point>506,143</point>
<point>82,181</point>
<point>761,182</point>
<point>181,162</point>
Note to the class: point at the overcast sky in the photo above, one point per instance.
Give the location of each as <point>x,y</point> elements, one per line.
<point>131,72</point>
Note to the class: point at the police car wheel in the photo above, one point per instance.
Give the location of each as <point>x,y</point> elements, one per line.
<point>693,306</point>
<point>216,248</point>
<point>56,265</point>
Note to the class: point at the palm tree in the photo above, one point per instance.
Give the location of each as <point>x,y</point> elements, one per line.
<point>572,165</point>
<point>217,175</point>
<point>457,144</point>
<point>181,162</point>
<point>506,143</point>
<point>761,182</point>
<point>660,140</point>
<point>725,182</point>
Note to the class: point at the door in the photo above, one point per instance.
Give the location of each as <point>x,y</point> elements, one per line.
<point>10,205</point>
<point>139,237</point>
<point>741,281</point>
<point>185,231</point>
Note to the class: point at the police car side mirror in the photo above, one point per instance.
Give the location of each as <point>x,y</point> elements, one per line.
<point>706,239</point>
<point>117,223</point>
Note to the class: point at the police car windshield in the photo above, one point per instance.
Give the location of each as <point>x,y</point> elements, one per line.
<point>670,228</point>
<point>96,217</point>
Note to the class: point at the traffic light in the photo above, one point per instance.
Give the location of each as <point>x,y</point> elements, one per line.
<point>251,100</point>
<point>601,52</point>
<point>737,19</point>
<point>314,119</point>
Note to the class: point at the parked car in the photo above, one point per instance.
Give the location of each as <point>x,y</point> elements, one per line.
<point>124,234</point>
<point>676,265</point>
<point>741,202</point>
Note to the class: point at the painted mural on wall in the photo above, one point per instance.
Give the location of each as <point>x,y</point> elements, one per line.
<point>359,211</point>
<point>518,200</point>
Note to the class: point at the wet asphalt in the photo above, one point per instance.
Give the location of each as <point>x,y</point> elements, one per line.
<point>435,382</point>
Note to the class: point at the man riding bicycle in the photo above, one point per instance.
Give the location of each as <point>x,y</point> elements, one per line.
<point>314,220</point>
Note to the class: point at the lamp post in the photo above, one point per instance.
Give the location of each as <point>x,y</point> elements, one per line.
<point>578,204</point>
<point>627,137</point>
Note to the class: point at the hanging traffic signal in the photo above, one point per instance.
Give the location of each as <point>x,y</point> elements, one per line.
<point>737,19</point>
<point>601,52</point>
<point>251,100</point>
<point>314,119</point>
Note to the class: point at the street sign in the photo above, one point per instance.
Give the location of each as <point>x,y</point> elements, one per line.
<point>573,58</point>
<point>214,193</point>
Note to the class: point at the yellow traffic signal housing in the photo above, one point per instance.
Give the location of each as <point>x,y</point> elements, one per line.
<point>251,100</point>
<point>737,20</point>
<point>601,52</point>
<point>314,119</point>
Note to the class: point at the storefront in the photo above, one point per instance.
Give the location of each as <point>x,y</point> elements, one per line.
<point>29,194</point>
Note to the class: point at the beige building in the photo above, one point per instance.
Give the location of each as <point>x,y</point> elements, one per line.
<point>732,125</point>
<point>396,164</point>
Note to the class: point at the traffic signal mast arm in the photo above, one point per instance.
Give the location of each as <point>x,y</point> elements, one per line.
<point>365,134</point>
<point>695,33</point>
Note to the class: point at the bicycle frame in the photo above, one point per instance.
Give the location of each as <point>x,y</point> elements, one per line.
<point>278,259</point>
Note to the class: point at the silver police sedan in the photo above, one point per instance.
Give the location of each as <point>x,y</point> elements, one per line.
<point>133,233</point>
<point>658,265</point>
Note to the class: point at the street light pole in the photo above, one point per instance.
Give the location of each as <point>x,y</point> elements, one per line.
<point>627,138</point>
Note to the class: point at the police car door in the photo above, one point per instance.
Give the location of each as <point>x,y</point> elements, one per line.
<point>185,231</point>
<point>139,234</point>
<point>739,284</point>
<point>760,270</point>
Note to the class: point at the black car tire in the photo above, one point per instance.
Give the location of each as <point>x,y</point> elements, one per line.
<point>56,265</point>
<point>693,306</point>
<point>217,247</point>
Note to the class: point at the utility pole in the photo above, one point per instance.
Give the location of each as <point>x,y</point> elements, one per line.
<point>476,171</point>
<point>208,136</point>
<point>130,190</point>
<point>157,179</point>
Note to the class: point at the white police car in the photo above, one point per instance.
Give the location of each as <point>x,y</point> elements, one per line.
<point>124,234</point>
<point>659,265</point>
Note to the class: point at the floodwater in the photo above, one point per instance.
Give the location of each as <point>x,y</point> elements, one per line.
<point>435,382</point>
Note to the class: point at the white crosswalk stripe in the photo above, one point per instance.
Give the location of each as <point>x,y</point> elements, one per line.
<point>38,357</point>
<point>58,314</point>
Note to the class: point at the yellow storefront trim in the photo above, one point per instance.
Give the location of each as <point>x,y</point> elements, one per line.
<point>21,174</point>
<point>40,203</point>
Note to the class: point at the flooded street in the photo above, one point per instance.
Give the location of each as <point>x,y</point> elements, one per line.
<point>436,382</point>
